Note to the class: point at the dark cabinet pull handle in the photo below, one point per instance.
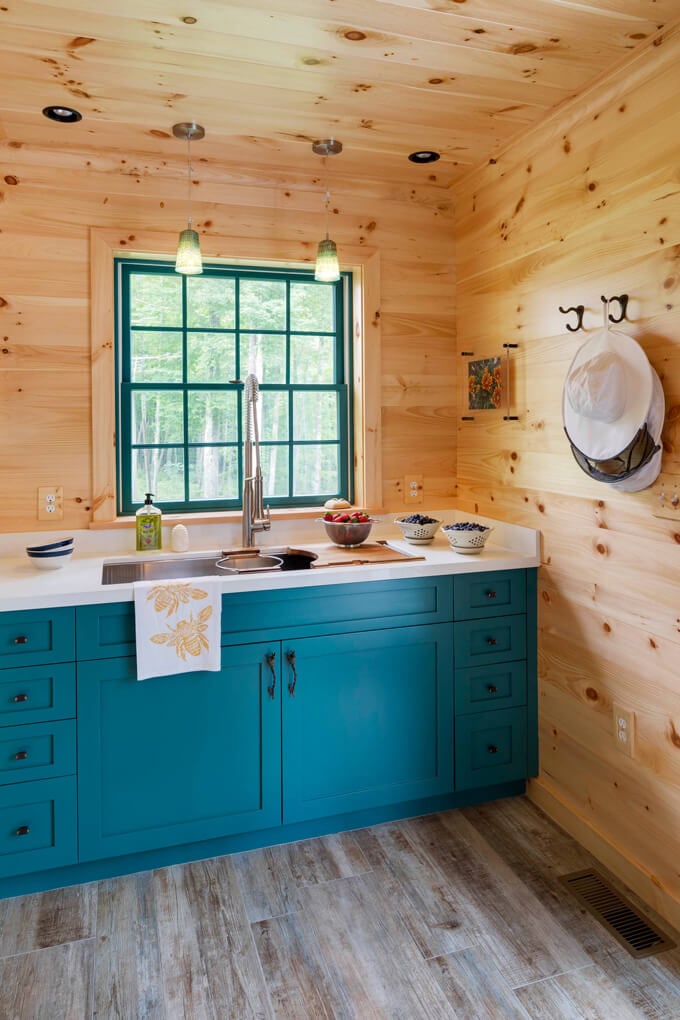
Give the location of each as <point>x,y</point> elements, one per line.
<point>21,756</point>
<point>491,594</point>
<point>270,659</point>
<point>491,641</point>
<point>23,830</point>
<point>20,697</point>
<point>21,640</point>
<point>290,656</point>
<point>492,749</point>
<point>491,688</point>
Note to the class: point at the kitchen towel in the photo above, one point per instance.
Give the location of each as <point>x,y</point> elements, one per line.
<point>178,626</point>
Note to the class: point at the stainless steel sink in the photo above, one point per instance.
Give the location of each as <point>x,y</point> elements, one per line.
<point>235,561</point>
<point>292,558</point>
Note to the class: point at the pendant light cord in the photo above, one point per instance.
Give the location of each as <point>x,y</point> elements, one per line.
<point>327,197</point>
<point>189,179</point>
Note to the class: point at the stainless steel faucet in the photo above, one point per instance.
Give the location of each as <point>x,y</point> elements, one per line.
<point>255,516</point>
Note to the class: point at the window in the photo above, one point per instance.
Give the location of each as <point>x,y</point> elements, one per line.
<point>185,346</point>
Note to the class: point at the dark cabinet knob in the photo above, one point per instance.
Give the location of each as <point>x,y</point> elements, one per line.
<point>23,830</point>
<point>491,594</point>
<point>21,756</point>
<point>491,688</point>
<point>20,697</point>
<point>492,749</point>
<point>491,641</point>
<point>21,640</point>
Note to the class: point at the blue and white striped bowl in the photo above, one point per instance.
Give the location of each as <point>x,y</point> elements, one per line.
<point>50,546</point>
<point>51,559</point>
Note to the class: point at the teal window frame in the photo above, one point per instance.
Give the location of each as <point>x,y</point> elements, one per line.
<point>124,269</point>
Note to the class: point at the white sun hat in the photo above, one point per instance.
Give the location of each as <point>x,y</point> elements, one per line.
<point>613,410</point>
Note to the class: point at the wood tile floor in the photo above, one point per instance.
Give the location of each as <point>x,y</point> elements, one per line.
<point>452,915</point>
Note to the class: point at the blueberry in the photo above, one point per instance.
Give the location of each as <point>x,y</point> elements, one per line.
<point>464,526</point>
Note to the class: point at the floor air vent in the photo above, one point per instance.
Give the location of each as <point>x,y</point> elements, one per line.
<point>626,924</point>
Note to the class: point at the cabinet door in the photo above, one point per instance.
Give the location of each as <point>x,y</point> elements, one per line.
<point>30,637</point>
<point>491,747</point>
<point>37,826</point>
<point>369,720</point>
<point>177,759</point>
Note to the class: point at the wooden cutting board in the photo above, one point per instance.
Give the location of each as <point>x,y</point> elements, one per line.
<point>369,552</point>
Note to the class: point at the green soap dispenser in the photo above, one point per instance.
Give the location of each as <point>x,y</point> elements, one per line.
<point>149,530</point>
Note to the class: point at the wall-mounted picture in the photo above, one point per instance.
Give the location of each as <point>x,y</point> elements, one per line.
<point>485,384</point>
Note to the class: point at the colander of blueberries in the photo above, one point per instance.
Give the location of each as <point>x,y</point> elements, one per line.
<point>418,528</point>
<point>466,536</point>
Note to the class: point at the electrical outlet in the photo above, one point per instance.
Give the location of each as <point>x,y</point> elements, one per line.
<point>624,729</point>
<point>50,503</point>
<point>666,497</point>
<point>413,489</point>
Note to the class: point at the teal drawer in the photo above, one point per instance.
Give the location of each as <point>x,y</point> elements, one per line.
<point>498,593</point>
<point>483,642</point>
<point>491,747</point>
<point>105,632</point>
<point>337,609</point>
<point>37,826</point>
<point>40,751</point>
<point>109,631</point>
<point>37,694</point>
<point>481,688</point>
<point>33,636</point>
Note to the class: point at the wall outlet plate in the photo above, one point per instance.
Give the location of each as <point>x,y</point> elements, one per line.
<point>666,497</point>
<point>413,489</point>
<point>50,503</point>
<point>624,729</point>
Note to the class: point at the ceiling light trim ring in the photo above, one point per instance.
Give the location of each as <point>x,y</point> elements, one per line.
<point>62,114</point>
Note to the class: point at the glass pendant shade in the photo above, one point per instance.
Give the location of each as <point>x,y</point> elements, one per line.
<point>188,261</point>
<point>327,268</point>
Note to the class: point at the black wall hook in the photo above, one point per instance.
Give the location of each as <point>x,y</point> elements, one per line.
<point>622,300</point>
<point>579,309</point>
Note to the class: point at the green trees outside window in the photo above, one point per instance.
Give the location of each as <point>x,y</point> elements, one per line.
<point>185,347</point>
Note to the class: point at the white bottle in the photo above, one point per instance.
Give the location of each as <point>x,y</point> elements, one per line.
<point>179,539</point>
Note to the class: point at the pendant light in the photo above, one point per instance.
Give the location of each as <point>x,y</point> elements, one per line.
<point>327,268</point>
<point>188,261</point>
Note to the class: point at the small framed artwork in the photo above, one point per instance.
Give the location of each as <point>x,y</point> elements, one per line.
<point>486,383</point>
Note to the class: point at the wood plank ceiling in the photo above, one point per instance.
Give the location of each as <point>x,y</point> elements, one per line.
<point>267,77</point>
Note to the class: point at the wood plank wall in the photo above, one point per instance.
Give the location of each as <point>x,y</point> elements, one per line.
<point>50,197</point>
<point>587,205</point>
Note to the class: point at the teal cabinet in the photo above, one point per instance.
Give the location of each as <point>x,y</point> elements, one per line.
<point>177,759</point>
<point>38,809</point>
<point>31,694</point>
<point>367,720</point>
<point>496,739</point>
<point>37,826</point>
<point>491,748</point>
<point>335,706</point>
<point>34,636</point>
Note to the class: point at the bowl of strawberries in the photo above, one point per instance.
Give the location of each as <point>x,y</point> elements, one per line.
<point>347,527</point>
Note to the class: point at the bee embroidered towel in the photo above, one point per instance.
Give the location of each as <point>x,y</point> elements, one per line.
<point>178,626</point>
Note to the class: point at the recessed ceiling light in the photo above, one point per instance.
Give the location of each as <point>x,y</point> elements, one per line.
<point>424,156</point>
<point>62,114</point>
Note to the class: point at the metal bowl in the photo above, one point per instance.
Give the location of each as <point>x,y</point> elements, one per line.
<point>348,535</point>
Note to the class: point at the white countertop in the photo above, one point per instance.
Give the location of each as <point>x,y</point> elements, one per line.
<point>22,586</point>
